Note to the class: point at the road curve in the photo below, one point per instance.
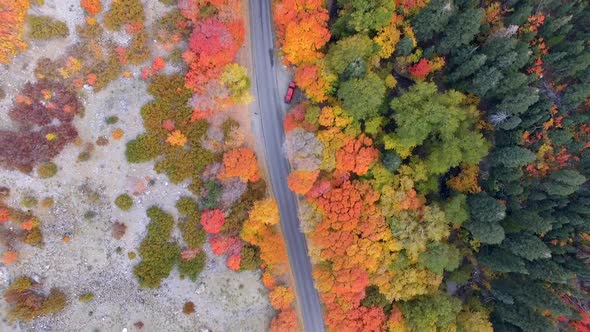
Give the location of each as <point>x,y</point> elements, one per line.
<point>271,108</point>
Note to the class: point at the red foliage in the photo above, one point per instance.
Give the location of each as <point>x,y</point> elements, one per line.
<point>158,64</point>
<point>39,105</point>
<point>212,221</point>
<point>221,244</point>
<point>420,70</point>
<point>168,125</point>
<point>356,155</point>
<point>296,118</point>
<point>212,46</point>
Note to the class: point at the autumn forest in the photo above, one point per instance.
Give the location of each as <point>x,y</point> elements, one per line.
<point>438,153</point>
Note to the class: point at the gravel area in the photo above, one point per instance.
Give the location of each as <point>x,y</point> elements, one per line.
<point>84,212</point>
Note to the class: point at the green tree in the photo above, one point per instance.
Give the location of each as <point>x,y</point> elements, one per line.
<point>440,257</point>
<point>526,246</point>
<point>511,156</point>
<point>362,97</point>
<point>563,182</point>
<point>485,213</point>
<point>432,19</point>
<point>435,312</point>
<point>351,55</point>
<point>439,122</point>
<point>461,30</point>
<point>364,15</point>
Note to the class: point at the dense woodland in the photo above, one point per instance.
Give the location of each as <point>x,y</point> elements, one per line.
<point>442,161</point>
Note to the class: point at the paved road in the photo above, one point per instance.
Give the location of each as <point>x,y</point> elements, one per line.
<point>271,108</point>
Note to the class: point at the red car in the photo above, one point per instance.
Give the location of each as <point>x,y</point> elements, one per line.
<point>290,92</point>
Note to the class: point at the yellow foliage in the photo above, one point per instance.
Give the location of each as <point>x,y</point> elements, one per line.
<point>387,38</point>
<point>437,63</point>
<point>265,211</point>
<point>176,138</point>
<point>12,18</point>
<point>466,181</point>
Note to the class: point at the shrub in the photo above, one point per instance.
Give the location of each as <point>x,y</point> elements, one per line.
<point>192,231</point>
<point>169,3</point>
<point>27,302</point>
<point>24,148</point>
<point>141,149</point>
<point>112,120</point>
<point>92,7</point>
<point>188,307</point>
<point>193,267</point>
<point>239,212</point>
<point>138,51</point>
<point>124,202</point>
<point>187,206</point>
<point>250,258</point>
<point>47,170</point>
<point>45,27</point>
<point>158,255</point>
<point>123,12</point>
<point>47,202</point>
<point>29,202</point>
<point>87,297</point>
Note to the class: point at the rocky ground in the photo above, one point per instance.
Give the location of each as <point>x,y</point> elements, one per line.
<point>92,261</point>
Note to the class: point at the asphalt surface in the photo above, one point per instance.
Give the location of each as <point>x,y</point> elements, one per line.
<point>272,110</point>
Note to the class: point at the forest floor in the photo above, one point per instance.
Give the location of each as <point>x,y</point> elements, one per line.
<point>92,260</point>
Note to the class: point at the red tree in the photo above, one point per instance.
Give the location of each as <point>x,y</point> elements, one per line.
<point>212,221</point>
<point>420,70</point>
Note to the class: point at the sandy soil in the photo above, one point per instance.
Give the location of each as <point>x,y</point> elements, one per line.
<point>90,261</point>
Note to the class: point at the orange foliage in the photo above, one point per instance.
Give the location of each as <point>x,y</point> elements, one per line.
<point>268,280</point>
<point>233,262</point>
<point>176,138</point>
<point>12,18</point>
<point>310,79</point>
<point>285,321</point>
<point>117,134</point>
<point>27,225</point>
<point>302,29</point>
<point>9,257</point>
<point>259,230</point>
<point>356,155</point>
<point>301,181</point>
<point>4,215</point>
<point>466,181</point>
<point>411,5</point>
<point>92,7</point>
<point>212,221</point>
<point>242,163</point>
<point>354,237</point>
<point>281,298</point>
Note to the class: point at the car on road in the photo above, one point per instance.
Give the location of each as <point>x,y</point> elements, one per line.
<point>290,92</point>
